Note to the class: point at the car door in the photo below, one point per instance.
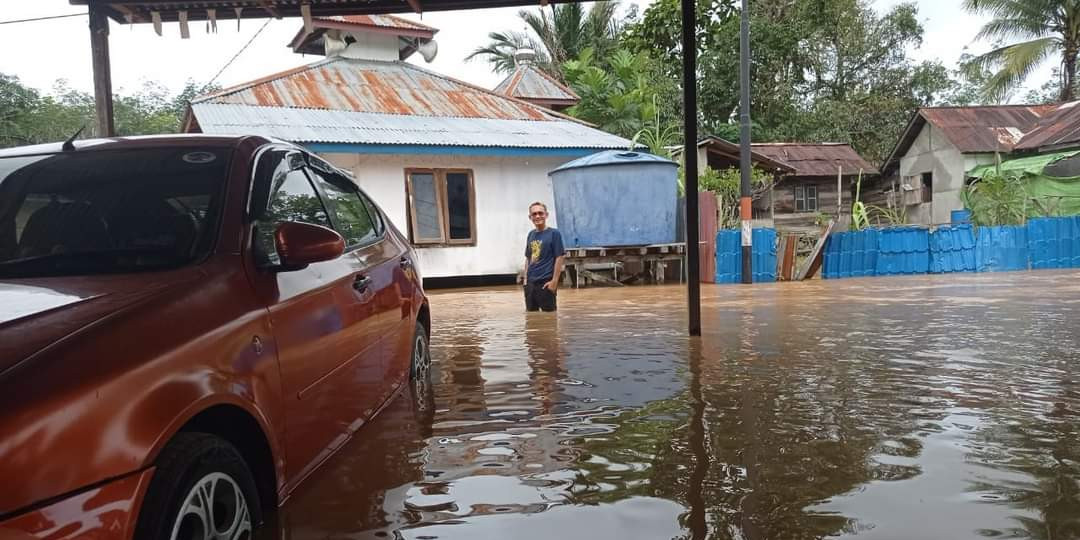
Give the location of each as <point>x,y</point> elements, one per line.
<point>323,317</point>
<point>377,258</point>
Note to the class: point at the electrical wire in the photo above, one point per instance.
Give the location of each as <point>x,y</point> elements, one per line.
<point>237,55</point>
<point>44,18</point>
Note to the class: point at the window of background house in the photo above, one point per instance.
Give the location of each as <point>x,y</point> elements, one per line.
<point>442,206</point>
<point>806,199</point>
<point>349,214</point>
<point>927,187</point>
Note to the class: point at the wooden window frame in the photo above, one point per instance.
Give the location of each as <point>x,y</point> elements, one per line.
<point>805,198</point>
<point>442,204</point>
<point>817,201</point>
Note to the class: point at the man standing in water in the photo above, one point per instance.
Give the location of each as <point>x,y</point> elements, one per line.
<point>544,256</point>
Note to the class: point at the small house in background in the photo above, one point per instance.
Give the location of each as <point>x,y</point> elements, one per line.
<point>930,165</point>
<point>529,83</point>
<point>720,154</point>
<point>454,165</point>
<point>823,181</point>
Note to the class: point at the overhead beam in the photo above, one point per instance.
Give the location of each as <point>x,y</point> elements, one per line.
<point>99,53</point>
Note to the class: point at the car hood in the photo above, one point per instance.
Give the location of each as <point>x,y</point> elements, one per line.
<point>34,313</point>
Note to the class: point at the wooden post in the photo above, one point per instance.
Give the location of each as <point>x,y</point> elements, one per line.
<point>99,52</point>
<point>839,191</point>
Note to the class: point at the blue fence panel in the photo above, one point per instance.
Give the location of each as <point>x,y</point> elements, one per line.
<point>952,249</point>
<point>1001,249</point>
<point>1048,242</point>
<point>1074,245</point>
<point>961,216</point>
<point>831,263</point>
<point>903,250</point>
<point>851,254</point>
<point>729,256</point>
<point>763,255</point>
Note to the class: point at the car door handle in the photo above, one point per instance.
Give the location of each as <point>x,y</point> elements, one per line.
<point>361,283</point>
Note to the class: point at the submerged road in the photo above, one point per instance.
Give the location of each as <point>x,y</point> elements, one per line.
<point>908,407</point>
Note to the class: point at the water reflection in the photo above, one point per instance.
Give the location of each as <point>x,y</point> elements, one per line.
<point>926,407</point>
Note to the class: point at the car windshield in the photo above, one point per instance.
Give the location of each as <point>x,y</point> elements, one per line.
<point>109,211</point>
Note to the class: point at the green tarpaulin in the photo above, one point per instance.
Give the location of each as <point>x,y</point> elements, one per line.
<point>1061,195</point>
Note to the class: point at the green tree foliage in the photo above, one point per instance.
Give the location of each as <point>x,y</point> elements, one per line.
<point>557,35</point>
<point>822,70</point>
<point>625,96</point>
<point>1046,29</point>
<point>28,116</point>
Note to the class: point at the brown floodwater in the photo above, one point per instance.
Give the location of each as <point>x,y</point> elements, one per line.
<point>908,407</point>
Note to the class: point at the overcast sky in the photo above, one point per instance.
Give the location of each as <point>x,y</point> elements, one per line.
<point>40,53</point>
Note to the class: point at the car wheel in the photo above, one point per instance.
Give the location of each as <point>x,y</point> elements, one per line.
<point>420,373</point>
<point>201,490</point>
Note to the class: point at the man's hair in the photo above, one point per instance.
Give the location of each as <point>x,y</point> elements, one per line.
<point>540,204</point>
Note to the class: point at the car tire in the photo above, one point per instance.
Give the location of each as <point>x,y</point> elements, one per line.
<point>420,385</point>
<point>201,482</point>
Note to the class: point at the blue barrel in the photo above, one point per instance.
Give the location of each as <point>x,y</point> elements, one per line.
<point>961,216</point>
<point>616,198</point>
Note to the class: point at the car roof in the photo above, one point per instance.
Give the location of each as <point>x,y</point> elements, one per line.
<point>141,141</point>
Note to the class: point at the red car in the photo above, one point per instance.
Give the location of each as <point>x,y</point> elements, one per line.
<point>189,326</point>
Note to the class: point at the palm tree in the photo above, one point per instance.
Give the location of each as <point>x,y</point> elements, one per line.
<point>1048,27</point>
<point>556,36</point>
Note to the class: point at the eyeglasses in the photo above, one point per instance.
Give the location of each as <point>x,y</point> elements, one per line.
<point>538,213</point>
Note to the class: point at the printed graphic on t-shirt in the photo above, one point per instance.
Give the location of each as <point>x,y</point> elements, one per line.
<point>535,246</point>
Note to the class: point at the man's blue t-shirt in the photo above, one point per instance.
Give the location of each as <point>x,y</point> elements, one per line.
<point>542,248</point>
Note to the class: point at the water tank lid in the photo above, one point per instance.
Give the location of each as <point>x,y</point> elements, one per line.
<point>614,157</point>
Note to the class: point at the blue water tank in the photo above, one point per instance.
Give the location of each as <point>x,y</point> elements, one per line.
<point>616,198</point>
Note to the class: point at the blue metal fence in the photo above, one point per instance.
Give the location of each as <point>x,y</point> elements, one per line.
<point>952,249</point>
<point>729,256</point>
<point>1001,249</point>
<point>851,254</point>
<point>903,250</point>
<point>1054,242</point>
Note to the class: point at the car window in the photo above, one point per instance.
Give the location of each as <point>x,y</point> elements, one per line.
<point>109,211</point>
<point>373,211</point>
<point>291,198</point>
<point>350,216</point>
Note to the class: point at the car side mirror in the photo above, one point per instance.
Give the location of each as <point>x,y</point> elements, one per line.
<point>301,244</point>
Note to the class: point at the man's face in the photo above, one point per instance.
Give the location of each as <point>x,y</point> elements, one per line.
<point>538,215</point>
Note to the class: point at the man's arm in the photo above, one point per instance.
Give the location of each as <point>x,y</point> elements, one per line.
<point>525,275</point>
<point>553,285</point>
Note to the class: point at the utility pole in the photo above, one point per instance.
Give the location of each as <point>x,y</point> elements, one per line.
<point>745,211</point>
<point>690,166</point>
<point>99,54</point>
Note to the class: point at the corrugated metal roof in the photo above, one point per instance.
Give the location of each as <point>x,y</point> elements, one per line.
<point>1058,128</point>
<point>530,83</point>
<point>996,128</point>
<point>331,126</point>
<point>817,159</point>
<point>986,129</point>
<point>379,21</point>
<point>377,87</point>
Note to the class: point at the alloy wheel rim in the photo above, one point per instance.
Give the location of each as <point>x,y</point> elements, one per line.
<point>214,509</point>
<point>422,369</point>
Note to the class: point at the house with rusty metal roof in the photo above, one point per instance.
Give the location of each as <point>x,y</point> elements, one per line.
<point>930,165</point>
<point>822,181</point>
<point>530,83</point>
<point>453,164</point>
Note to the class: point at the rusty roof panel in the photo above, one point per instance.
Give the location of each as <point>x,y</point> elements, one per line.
<point>1062,127</point>
<point>530,83</point>
<point>986,129</point>
<point>379,21</point>
<point>327,126</point>
<point>377,87</point>
<point>817,159</point>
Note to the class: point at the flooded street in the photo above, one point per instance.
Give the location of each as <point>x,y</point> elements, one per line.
<point>892,408</point>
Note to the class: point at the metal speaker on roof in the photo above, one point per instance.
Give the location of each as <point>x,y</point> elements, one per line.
<point>428,49</point>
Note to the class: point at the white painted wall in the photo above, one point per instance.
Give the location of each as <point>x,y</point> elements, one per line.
<point>368,45</point>
<point>505,186</point>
